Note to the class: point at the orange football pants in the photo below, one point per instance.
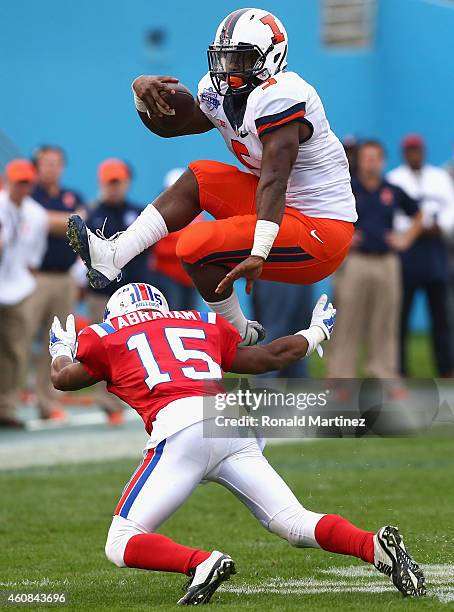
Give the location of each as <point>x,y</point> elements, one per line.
<point>296,257</point>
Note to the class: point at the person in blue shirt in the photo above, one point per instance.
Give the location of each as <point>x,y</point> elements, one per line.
<point>56,290</point>
<point>368,285</point>
<point>281,316</point>
<point>113,213</point>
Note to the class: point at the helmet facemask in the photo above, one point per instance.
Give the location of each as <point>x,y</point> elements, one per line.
<point>237,65</point>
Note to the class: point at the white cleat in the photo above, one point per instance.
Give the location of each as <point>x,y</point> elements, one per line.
<point>97,252</point>
<point>206,578</point>
<point>393,559</point>
<point>255,332</point>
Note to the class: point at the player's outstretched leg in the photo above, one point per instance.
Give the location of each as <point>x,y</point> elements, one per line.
<point>249,476</point>
<point>104,257</point>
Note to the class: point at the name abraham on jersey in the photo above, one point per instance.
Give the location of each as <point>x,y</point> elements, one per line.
<point>142,316</point>
<point>211,99</point>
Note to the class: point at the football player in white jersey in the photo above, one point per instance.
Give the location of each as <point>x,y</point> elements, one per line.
<point>287,217</point>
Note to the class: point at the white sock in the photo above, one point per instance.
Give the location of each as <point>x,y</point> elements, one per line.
<point>230,309</point>
<point>147,229</point>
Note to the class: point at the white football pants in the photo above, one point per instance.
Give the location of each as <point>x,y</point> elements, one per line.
<point>170,472</point>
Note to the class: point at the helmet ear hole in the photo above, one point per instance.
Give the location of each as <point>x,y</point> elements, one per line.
<point>276,58</point>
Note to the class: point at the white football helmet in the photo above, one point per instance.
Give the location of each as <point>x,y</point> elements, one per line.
<point>250,47</point>
<point>133,297</point>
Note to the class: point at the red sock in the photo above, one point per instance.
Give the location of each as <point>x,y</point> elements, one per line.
<point>336,534</point>
<point>153,551</point>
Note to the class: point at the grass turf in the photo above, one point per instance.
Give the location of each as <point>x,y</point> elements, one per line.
<point>53,524</point>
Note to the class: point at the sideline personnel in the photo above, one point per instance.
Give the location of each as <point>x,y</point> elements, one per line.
<point>368,285</point>
<point>56,290</point>
<point>23,239</point>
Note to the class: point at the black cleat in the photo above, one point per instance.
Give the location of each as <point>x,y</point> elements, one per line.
<point>393,559</point>
<point>206,579</point>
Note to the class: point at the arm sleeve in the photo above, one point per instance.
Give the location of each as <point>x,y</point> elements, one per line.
<point>277,105</point>
<point>406,203</point>
<point>92,354</point>
<point>230,338</point>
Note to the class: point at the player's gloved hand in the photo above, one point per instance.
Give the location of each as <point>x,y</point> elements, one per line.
<point>61,341</point>
<point>250,268</point>
<point>147,94</point>
<point>321,327</point>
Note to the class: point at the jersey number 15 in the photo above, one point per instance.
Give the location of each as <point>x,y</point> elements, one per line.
<point>174,336</point>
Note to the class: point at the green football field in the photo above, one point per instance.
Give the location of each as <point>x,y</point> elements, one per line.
<point>53,523</point>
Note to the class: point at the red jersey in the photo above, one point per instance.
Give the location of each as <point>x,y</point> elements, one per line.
<point>150,359</point>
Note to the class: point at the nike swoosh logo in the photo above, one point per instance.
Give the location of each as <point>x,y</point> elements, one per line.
<point>314,235</point>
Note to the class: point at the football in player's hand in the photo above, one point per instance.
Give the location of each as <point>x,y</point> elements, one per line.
<point>182,102</point>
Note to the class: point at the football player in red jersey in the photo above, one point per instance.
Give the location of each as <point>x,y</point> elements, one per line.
<point>287,216</point>
<point>163,363</point>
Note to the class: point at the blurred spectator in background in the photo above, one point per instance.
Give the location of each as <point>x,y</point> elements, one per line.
<point>113,212</point>
<point>368,285</point>
<point>23,240</point>
<point>350,144</point>
<point>55,291</point>
<point>168,273</point>
<point>449,167</point>
<point>425,264</point>
<point>280,308</point>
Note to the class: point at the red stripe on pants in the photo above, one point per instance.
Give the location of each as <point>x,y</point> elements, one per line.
<point>134,479</point>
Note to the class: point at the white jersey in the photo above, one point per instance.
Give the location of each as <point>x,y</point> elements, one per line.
<point>433,188</point>
<point>23,242</point>
<point>319,183</point>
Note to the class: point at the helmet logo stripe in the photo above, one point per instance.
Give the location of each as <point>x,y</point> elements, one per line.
<point>150,293</point>
<point>230,23</point>
<point>143,291</point>
<point>136,291</point>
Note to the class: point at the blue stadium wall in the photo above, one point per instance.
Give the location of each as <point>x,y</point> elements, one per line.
<point>67,68</point>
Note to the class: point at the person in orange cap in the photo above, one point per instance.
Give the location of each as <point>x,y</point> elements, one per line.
<point>113,212</point>
<point>23,241</point>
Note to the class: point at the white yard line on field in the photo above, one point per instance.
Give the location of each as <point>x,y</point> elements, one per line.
<point>351,579</point>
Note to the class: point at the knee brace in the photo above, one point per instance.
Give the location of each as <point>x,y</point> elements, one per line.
<point>296,525</point>
<point>120,532</point>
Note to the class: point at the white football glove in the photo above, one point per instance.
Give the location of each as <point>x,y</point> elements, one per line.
<point>61,341</point>
<point>321,327</point>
